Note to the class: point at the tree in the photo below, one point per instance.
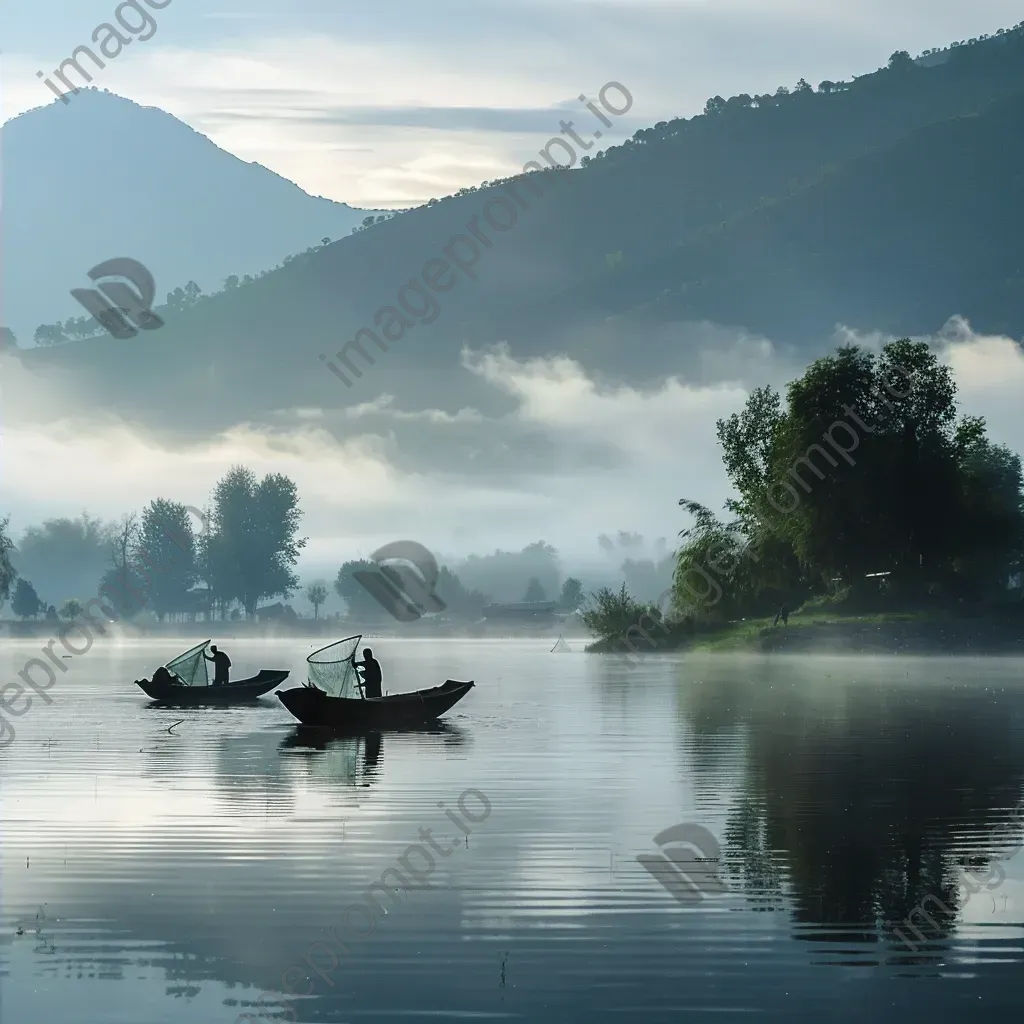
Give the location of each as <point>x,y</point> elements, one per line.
<point>714,106</point>
<point>7,572</point>
<point>572,594</point>
<point>502,573</point>
<point>71,608</point>
<point>359,602</point>
<point>51,614</point>
<point>616,617</point>
<point>866,470</point>
<point>316,593</point>
<point>8,340</point>
<point>231,281</point>
<point>65,556</point>
<point>534,591</point>
<point>122,586</point>
<point>901,61</point>
<point>165,552</point>
<point>803,86</point>
<point>458,598</point>
<point>252,547</point>
<point>26,603</point>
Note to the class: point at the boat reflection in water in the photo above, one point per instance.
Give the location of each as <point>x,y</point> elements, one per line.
<point>335,756</point>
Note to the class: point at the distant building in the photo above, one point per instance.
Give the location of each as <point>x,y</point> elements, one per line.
<point>524,611</point>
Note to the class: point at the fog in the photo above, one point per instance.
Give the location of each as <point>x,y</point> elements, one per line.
<point>565,464</point>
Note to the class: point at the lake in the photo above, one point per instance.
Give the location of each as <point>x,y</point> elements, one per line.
<point>156,873</point>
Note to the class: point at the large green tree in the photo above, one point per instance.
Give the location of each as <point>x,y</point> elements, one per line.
<point>864,470</point>
<point>252,546</point>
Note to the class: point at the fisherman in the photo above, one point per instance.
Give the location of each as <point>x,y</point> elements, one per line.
<point>370,669</point>
<point>163,678</point>
<point>221,664</point>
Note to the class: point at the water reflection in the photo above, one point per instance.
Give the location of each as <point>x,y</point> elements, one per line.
<point>859,802</point>
<point>178,873</point>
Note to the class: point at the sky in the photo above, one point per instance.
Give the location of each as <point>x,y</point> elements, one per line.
<point>389,104</point>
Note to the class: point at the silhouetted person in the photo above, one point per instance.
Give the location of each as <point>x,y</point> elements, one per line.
<point>370,669</point>
<point>221,664</point>
<point>783,614</point>
<point>162,677</point>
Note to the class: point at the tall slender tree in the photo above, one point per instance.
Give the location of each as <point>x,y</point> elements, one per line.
<point>165,554</point>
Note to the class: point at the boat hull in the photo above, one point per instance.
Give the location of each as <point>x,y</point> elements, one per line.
<point>231,693</point>
<point>315,708</point>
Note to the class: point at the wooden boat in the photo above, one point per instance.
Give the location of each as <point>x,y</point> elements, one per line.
<point>230,693</point>
<point>312,706</point>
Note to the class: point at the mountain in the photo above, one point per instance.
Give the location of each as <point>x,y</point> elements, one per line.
<point>890,202</point>
<point>104,177</point>
<point>896,240</point>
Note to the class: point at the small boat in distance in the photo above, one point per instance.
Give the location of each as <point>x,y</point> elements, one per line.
<point>332,698</point>
<point>189,683</point>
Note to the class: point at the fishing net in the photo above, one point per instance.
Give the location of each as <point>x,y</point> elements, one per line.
<point>190,667</point>
<point>332,668</point>
<point>561,647</point>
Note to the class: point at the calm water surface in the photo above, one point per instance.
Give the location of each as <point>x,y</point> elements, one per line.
<point>155,877</point>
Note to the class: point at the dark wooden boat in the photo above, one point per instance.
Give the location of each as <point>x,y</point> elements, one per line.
<point>311,706</point>
<point>230,693</point>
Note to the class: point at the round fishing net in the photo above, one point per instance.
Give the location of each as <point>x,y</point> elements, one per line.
<point>332,668</point>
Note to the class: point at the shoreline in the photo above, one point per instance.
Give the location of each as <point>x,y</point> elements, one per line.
<point>894,634</point>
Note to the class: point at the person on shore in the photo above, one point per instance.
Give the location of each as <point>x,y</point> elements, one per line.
<point>369,669</point>
<point>221,665</point>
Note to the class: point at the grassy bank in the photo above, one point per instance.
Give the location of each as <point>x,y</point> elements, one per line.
<point>884,633</point>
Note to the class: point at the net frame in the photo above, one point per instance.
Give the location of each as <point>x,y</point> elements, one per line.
<point>333,672</point>
<point>189,678</point>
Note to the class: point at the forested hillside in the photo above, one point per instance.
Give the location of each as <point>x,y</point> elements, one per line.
<point>890,202</point>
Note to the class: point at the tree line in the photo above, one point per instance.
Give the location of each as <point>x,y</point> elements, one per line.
<point>242,550</point>
<point>864,490</point>
<point>176,561</point>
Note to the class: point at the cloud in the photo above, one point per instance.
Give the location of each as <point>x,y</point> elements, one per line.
<point>566,457</point>
<point>988,370</point>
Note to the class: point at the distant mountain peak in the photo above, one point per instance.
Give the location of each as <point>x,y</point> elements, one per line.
<point>189,209</point>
